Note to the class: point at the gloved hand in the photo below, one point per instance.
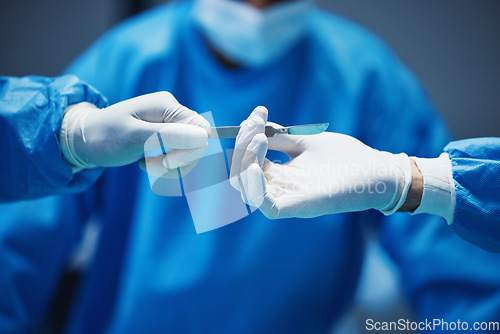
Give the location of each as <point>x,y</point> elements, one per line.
<point>327,173</point>
<point>115,136</point>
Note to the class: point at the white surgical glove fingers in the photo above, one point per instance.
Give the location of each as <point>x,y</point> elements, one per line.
<point>257,149</point>
<point>253,186</point>
<point>283,176</point>
<point>280,181</point>
<point>159,107</point>
<point>179,158</point>
<point>182,136</point>
<point>256,185</point>
<point>189,143</point>
<point>250,128</point>
<point>259,112</point>
<point>255,152</point>
<point>271,170</point>
<point>191,139</point>
<point>270,205</point>
<point>291,145</point>
<point>241,144</point>
<point>189,116</point>
<point>276,201</point>
<point>254,124</point>
<point>154,166</point>
<point>174,112</point>
<point>234,179</point>
<point>148,107</point>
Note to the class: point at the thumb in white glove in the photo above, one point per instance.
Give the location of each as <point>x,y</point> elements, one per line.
<point>115,136</point>
<point>327,173</point>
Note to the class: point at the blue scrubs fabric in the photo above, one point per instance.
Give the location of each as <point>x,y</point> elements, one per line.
<point>476,171</point>
<point>31,111</point>
<point>151,273</point>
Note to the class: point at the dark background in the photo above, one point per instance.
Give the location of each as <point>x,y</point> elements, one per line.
<point>452,45</point>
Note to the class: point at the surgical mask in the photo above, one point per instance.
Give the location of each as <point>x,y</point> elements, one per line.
<point>250,36</point>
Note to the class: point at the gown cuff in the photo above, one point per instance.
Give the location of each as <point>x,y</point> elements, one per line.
<point>438,197</point>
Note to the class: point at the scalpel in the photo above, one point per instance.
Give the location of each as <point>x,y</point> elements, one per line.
<point>308,129</point>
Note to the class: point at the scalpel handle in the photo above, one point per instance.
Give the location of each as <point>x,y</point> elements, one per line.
<point>232,131</point>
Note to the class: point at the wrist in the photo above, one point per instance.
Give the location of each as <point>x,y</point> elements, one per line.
<point>414,196</point>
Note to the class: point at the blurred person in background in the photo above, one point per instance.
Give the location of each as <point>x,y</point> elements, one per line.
<point>151,273</point>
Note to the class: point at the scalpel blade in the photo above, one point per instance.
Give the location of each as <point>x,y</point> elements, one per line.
<point>310,129</point>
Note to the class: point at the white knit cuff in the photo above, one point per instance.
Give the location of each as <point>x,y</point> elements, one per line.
<point>438,197</point>
<point>70,123</point>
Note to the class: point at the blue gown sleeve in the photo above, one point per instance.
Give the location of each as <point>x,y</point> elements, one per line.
<point>476,171</point>
<point>31,111</point>
<point>443,276</point>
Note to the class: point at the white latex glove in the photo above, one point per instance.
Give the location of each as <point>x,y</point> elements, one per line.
<point>328,173</point>
<point>115,136</point>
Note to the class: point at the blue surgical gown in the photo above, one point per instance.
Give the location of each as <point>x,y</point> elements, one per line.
<point>476,171</point>
<point>151,273</point>
<point>31,111</point>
